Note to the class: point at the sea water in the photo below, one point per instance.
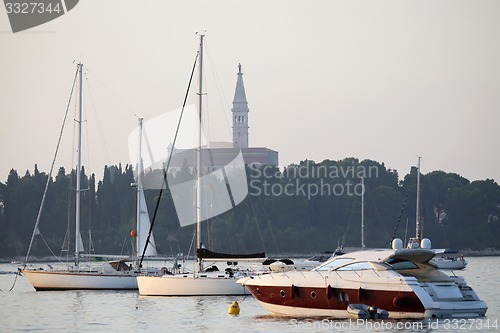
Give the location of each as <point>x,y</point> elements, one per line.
<point>24,310</point>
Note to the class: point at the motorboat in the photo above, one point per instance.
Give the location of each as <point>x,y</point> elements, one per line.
<point>449,259</point>
<point>444,258</point>
<point>399,280</point>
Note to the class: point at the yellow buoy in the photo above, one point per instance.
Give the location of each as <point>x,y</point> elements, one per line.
<point>234,309</point>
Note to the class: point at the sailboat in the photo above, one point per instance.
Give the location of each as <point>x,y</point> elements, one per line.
<point>443,259</point>
<point>203,281</point>
<point>116,275</point>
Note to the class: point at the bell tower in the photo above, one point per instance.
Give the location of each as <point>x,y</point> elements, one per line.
<point>240,113</point>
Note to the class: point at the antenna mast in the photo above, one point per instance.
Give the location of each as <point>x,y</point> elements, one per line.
<point>417,215</point>
<point>78,171</point>
<point>362,213</point>
<point>198,154</point>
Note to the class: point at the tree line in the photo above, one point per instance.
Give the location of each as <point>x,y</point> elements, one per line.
<point>304,208</point>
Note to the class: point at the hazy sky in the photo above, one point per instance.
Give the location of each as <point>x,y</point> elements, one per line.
<point>325,79</point>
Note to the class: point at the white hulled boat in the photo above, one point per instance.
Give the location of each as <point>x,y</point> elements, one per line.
<point>116,275</point>
<point>449,259</point>
<point>207,281</point>
<point>203,280</point>
<point>400,281</point>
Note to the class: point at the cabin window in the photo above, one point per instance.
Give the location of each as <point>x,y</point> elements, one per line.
<point>313,294</point>
<point>346,298</point>
<point>339,298</point>
<point>330,265</point>
<point>282,293</point>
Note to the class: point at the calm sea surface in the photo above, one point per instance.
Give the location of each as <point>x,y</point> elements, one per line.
<point>24,310</point>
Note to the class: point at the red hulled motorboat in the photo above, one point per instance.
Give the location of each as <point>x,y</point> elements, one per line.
<point>400,281</point>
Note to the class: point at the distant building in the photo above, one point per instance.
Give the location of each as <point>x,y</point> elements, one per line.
<point>251,155</point>
<point>219,155</point>
<point>240,113</point>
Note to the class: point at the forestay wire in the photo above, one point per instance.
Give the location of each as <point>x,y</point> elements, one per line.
<point>344,236</point>
<point>402,209</point>
<point>165,170</point>
<point>35,230</point>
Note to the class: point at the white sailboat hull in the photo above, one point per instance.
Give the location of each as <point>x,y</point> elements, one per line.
<point>67,280</point>
<point>189,285</point>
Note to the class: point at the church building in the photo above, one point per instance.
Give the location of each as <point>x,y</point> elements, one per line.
<point>219,155</point>
<point>251,155</point>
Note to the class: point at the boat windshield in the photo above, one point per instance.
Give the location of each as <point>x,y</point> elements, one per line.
<point>332,264</point>
<point>399,264</point>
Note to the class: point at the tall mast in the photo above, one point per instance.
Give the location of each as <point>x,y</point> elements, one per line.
<point>139,188</point>
<point>417,217</point>
<point>78,171</point>
<point>362,213</point>
<point>198,155</point>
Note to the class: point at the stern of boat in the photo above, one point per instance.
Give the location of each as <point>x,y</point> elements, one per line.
<point>450,299</point>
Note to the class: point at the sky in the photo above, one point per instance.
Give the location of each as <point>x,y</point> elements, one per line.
<point>325,79</point>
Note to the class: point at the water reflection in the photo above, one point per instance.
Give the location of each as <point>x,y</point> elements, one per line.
<point>25,310</point>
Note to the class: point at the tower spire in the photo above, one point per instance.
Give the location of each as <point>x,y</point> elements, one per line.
<point>240,113</point>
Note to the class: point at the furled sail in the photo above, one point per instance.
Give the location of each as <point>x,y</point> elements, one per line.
<point>81,248</point>
<point>207,254</point>
<point>143,226</point>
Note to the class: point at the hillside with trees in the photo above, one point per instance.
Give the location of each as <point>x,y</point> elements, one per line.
<point>304,208</point>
